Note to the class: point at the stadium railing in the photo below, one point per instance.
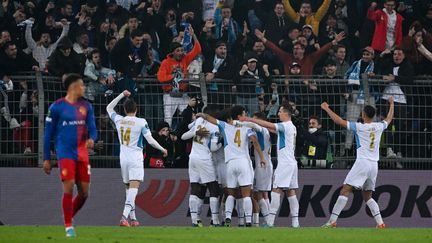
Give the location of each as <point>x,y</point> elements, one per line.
<point>410,133</point>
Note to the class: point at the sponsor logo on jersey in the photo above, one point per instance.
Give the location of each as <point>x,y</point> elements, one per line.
<point>74,123</point>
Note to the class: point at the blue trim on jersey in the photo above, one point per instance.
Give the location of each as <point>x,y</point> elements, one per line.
<point>209,141</point>
<point>260,137</point>
<point>281,135</point>
<point>145,130</point>
<point>221,126</point>
<point>113,115</point>
<point>140,143</point>
<point>358,145</point>
<point>352,126</point>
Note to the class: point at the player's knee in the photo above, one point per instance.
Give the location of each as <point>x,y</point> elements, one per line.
<point>195,189</point>
<point>213,188</point>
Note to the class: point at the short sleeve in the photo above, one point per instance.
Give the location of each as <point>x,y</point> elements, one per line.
<point>280,127</point>
<point>145,129</point>
<point>115,117</point>
<point>352,126</point>
<point>221,125</point>
<point>384,125</point>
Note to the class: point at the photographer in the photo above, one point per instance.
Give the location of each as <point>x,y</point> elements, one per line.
<point>166,138</point>
<point>312,144</point>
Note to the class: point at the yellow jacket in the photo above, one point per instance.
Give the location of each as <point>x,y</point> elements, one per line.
<point>313,19</point>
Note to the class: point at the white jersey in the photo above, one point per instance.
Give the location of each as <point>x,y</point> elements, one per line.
<point>131,131</point>
<point>201,145</point>
<point>287,133</point>
<point>236,140</point>
<point>263,138</point>
<point>368,138</point>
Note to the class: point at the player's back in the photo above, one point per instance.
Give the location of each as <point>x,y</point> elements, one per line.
<point>201,145</point>
<point>131,131</point>
<point>236,140</point>
<point>286,140</point>
<point>263,138</point>
<point>368,138</point>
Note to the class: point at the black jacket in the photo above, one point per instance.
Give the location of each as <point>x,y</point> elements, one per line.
<point>313,146</point>
<point>123,58</point>
<point>226,69</point>
<point>21,63</point>
<point>276,28</point>
<point>405,75</point>
<point>59,64</point>
<point>245,85</point>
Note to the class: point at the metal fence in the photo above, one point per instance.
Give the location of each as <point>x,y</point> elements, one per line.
<point>409,136</point>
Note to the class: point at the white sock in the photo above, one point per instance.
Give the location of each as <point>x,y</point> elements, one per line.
<point>193,207</point>
<point>240,211</point>
<point>214,208</point>
<point>130,202</point>
<point>264,207</point>
<point>274,207</point>
<point>255,219</point>
<point>132,215</point>
<point>229,206</point>
<point>373,206</point>
<point>294,210</point>
<point>199,207</point>
<point>247,207</point>
<point>338,207</point>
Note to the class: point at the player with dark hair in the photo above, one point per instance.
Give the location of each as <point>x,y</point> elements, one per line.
<point>365,169</point>
<point>131,131</point>
<point>70,121</point>
<point>285,175</point>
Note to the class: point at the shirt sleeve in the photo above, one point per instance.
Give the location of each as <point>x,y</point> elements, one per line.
<point>91,124</point>
<point>50,129</point>
<point>384,125</point>
<point>279,127</point>
<point>145,129</point>
<point>352,126</point>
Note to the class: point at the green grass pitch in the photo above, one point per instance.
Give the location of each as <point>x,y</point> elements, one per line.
<point>184,234</point>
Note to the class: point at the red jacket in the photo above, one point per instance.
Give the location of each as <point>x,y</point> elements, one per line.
<point>168,66</point>
<point>380,36</point>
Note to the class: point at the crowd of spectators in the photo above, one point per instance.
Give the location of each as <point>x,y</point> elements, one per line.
<point>112,43</point>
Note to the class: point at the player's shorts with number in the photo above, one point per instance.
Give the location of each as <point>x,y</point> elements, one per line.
<point>286,176</point>
<point>201,171</point>
<point>239,172</point>
<point>78,170</point>
<point>363,175</point>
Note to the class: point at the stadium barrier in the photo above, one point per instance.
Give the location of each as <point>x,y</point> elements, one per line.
<point>410,133</point>
<point>404,197</point>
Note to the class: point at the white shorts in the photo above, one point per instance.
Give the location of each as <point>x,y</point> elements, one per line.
<point>286,176</point>
<point>263,178</point>
<point>201,171</point>
<point>132,171</point>
<point>363,175</point>
<point>239,173</point>
<point>221,173</point>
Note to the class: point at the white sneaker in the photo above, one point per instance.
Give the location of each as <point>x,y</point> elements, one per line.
<point>391,154</point>
<point>14,123</point>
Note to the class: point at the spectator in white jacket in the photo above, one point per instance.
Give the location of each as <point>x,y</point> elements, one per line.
<point>42,49</point>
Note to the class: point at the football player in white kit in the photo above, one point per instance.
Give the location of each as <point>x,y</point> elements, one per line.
<point>263,175</point>
<point>365,169</point>
<point>202,169</point>
<point>239,164</point>
<point>286,173</point>
<point>131,131</point>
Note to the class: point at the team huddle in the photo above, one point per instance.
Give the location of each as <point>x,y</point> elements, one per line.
<point>219,161</point>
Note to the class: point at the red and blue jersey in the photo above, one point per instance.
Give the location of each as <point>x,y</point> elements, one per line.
<point>70,125</point>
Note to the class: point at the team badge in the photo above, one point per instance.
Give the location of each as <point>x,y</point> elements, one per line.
<point>83,110</point>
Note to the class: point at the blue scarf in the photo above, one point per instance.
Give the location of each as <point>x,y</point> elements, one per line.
<point>353,73</point>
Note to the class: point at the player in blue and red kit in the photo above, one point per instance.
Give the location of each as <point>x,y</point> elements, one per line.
<point>70,121</point>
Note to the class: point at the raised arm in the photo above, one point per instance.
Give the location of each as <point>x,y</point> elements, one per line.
<point>425,52</point>
<point>335,117</point>
<point>252,125</point>
<point>258,149</point>
<point>266,124</point>
<point>64,33</point>
<point>208,118</point>
<point>321,12</point>
<point>114,102</point>
<point>29,37</point>
<point>290,11</point>
<point>281,54</point>
<point>390,113</point>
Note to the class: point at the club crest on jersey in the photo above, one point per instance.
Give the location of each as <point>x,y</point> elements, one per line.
<point>83,110</point>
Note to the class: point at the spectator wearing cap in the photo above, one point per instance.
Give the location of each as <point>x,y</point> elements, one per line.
<point>276,23</point>
<point>356,93</point>
<point>307,62</point>
<point>398,75</point>
<point>227,28</point>
<point>312,40</point>
<point>388,26</point>
<point>252,82</point>
<point>305,14</point>
<point>65,60</point>
<point>128,57</point>
<point>218,66</point>
<point>171,74</point>
<point>43,48</point>
<point>163,135</point>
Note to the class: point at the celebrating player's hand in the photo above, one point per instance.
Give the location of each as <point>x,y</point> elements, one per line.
<point>263,163</point>
<point>325,106</point>
<point>126,93</point>
<point>47,167</point>
<point>165,153</point>
<point>202,132</point>
<point>90,143</point>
